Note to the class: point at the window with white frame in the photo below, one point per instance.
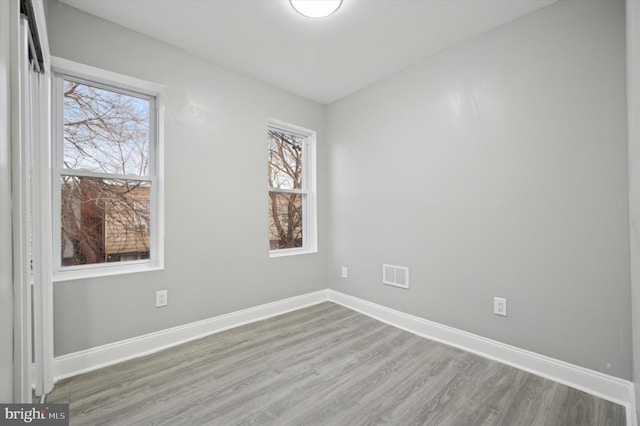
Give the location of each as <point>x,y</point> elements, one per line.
<point>291,189</point>
<point>107,167</point>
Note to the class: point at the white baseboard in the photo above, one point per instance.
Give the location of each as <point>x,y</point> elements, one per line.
<point>601,385</point>
<point>112,353</point>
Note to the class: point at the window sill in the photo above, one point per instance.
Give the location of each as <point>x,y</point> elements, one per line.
<point>80,273</point>
<point>291,252</point>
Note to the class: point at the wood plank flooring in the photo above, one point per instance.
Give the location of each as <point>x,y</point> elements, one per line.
<point>323,365</point>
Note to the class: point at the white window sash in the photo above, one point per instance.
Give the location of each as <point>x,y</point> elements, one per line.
<point>309,216</point>
<point>154,93</point>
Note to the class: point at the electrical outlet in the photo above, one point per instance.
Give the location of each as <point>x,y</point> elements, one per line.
<point>345,272</point>
<point>161,298</point>
<point>500,306</point>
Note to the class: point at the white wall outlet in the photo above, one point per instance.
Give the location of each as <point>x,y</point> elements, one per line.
<point>500,306</point>
<point>161,298</point>
<point>345,272</point>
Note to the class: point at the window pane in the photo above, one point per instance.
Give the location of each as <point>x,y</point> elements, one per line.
<point>285,160</point>
<point>104,220</point>
<point>105,131</point>
<point>285,220</point>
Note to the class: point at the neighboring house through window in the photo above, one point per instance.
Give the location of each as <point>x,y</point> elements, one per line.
<point>291,188</point>
<point>107,172</point>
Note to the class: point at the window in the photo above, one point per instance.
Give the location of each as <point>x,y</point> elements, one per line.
<point>107,172</point>
<point>291,188</point>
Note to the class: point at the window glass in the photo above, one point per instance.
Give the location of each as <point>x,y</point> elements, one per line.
<point>104,220</point>
<point>285,160</point>
<point>285,220</point>
<point>105,131</point>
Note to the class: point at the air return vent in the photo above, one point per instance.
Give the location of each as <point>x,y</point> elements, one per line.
<point>397,276</point>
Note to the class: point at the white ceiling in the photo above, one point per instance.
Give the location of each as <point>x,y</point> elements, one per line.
<point>320,59</point>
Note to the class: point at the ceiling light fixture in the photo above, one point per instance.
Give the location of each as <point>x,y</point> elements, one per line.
<point>315,8</point>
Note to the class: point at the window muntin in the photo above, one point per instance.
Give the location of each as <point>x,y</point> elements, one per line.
<point>290,179</point>
<point>107,209</point>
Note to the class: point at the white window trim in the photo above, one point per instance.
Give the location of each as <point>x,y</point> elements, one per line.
<point>100,76</point>
<point>309,212</point>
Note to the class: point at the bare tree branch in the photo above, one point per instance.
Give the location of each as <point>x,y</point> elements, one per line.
<point>285,172</point>
<point>105,132</point>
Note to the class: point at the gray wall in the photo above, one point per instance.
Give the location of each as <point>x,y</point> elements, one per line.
<point>216,216</point>
<point>633,124</point>
<point>497,168</point>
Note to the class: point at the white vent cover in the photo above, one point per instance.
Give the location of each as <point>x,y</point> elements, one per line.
<point>397,276</point>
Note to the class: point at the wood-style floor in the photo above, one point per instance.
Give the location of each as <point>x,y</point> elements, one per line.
<point>323,365</point>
